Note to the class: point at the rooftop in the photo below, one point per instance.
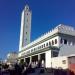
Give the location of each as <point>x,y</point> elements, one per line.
<point>64,29</point>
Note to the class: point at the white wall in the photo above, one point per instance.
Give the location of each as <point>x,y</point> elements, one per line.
<point>66,50</point>
<point>57,62</point>
<point>50,40</point>
<point>21,31</point>
<point>48,59</point>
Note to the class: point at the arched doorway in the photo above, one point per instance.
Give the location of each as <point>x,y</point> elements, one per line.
<point>35,58</point>
<point>42,56</point>
<point>27,60</point>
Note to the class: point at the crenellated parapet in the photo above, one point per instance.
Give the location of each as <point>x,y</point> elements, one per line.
<point>63,29</point>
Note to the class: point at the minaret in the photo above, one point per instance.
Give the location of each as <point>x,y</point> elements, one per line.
<point>25,27</point>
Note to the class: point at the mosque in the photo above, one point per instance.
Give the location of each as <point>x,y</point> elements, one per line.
<point>54,47</point>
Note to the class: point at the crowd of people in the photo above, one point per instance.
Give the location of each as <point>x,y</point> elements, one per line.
<point>21,68</point>
<point>27,68</point>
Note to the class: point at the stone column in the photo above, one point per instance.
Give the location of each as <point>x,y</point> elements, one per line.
<point>48,59</point>
<point>24,59</point>
<point>38,56</point>
<point>30,59</point>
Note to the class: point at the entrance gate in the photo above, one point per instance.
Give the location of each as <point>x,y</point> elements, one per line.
<point>35,58</point>
<point>27,60</point>
<point>42,56</point>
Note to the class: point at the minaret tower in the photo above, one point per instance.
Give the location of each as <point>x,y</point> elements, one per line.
<point>25,27</point>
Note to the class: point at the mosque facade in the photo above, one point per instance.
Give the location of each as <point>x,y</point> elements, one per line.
<point>54,46</point>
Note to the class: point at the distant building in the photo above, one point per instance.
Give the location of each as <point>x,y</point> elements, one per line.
<point>58,42</point>
<point>11,58</point>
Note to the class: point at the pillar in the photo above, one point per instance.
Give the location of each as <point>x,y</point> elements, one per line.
<point>38,56</point>
<point>48,59</point>
<point>30,59</point>
<point>24,59</point>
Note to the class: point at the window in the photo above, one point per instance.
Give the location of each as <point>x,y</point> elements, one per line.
<point>49,43</point>
<point>34,49</point>
<point>27,13</point>
<point>42,46</point>
<point>38,47</point>
<point>65,41</point>
<point>26,32</point>
<point>26,39</point>
<point>64,62</point>
<point>22,61</point>
<point>31,50</point>
<point>61,41</point>
<point>54,53</point>
<point>52,42</point>
<point>55,41</point>
<point>46,44</point>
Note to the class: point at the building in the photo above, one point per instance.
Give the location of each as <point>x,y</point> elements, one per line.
<point>58,42</point>
<point>25,27</point>
<point>11,58</point>
<point>64,62</point>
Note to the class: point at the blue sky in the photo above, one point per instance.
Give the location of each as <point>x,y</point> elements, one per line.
<point>46,14</point>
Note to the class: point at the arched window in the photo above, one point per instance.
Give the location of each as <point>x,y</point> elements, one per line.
<point>27,13</point>
<point>46,44</point>
<point>61,41</point>
<point>55,41</point>
<point>26,32</point>
<point>49,43</point>
<point>34,49</point>
<point>26,39</point>
<point>42,46</point>
<point>52,42</point>
<point>65,41</point>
